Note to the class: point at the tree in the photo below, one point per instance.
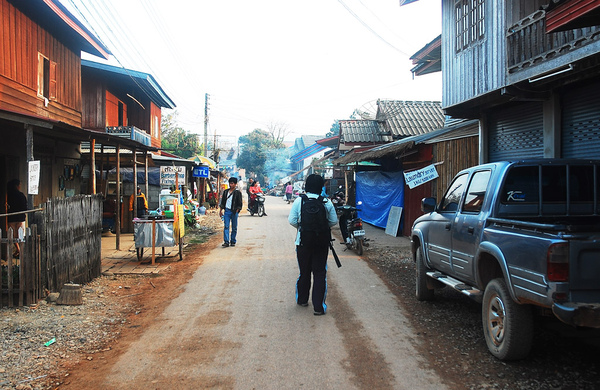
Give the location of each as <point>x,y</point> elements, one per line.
<point>177,140</point>
<point>278,132</point>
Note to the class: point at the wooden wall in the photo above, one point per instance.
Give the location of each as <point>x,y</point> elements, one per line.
<point>454,156</point>
<point>481,67</point>
<point>518,9</point>
<point>20,42</point>
<point>93,109</point>
<point>155,125</point>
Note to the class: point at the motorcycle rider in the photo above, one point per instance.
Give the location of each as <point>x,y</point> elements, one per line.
<point>253,191</point>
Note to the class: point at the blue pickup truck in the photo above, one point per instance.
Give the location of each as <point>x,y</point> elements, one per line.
<point>522,237</point>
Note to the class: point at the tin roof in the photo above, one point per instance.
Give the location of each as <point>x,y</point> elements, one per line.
<point>407,118</point>
<point>135,80</point>
<point>465,128</point>
<point>362,131</point>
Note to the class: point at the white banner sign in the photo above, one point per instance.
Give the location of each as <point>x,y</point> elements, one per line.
<point>420,176</point>
<point>167,175</point>
<point>34,178</point>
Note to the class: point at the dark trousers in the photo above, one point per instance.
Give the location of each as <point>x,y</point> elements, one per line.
<point>312,261</point>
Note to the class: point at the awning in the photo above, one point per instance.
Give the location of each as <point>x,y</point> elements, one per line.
<point>204,161</point>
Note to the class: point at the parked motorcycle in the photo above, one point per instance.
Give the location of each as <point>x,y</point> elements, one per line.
<point>352,228</point>
<point>259,206</point>
<point>339,197</point>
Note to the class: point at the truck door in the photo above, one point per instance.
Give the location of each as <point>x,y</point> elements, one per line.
<point>439,242</point>
<point>468,225</point>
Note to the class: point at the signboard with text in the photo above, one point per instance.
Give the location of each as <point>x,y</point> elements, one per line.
<point>34,178</point>
<point>420,176</point>
<point>167,175</point>
<point>200,172</point>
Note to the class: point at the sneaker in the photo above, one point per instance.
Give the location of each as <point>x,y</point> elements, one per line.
<point>305,304</point>
<point>319,313</point>
<point>225,245</point>
<point>232,244</point>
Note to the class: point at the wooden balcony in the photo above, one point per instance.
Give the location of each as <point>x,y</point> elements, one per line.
<point>529,46</point>
<point>130,132</point>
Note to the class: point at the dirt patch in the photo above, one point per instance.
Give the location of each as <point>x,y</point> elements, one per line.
<point>451,338</point>
<point>84,341</point>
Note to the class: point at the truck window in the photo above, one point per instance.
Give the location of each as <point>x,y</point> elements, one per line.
<point>452,197</point>
<point>476,192</point>
<point>521,186</point>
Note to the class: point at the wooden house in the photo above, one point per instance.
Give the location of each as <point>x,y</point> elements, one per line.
<point>40,93</point>
<point>529,71</point>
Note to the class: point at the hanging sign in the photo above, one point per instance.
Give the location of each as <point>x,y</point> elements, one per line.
<point>200,172</point>
<point>33,185</point>
<point>167,175</point>
<point>420,176</point>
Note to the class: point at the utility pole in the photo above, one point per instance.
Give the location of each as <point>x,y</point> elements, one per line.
<point>206,97</point>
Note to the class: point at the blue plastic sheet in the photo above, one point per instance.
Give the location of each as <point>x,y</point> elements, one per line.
<point>378,192</point>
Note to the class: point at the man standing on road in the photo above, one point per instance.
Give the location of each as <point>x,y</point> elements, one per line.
<point>313,216</point>
<point>230,207</point>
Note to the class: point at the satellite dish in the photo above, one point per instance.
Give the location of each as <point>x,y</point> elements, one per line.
<point>380,109</point>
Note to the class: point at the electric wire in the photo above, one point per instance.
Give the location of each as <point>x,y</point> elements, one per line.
<point>371,29</point>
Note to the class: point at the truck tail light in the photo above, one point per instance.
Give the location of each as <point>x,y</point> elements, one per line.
<point>558,262</point>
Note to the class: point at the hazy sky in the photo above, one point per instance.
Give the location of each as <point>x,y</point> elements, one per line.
<point>303,64</point>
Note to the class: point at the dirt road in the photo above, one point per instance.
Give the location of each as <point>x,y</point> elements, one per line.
<point>236,325</point>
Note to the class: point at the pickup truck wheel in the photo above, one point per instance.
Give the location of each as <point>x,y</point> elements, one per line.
<point>507,326</point>
<point>422,291</point>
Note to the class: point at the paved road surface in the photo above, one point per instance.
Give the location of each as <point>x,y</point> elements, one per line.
<point>236,325</point>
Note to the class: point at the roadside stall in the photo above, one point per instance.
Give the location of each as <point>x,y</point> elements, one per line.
<point>161,230</point>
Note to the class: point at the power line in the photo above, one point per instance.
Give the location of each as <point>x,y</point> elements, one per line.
<point>370,29</point>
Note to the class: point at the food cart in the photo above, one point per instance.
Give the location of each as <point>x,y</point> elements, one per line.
<point>161,231</point>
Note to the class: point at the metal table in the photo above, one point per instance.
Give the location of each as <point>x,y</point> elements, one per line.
<point>156,233</point>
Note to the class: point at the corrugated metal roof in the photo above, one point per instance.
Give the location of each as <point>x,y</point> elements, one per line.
<point>362,131</point>
<point>305,153</point>
<point>459,130</point>
<point>139,80</point>
<point>408,118</point>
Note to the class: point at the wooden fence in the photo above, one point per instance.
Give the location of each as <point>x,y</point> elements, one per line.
<point>62,245</point>
<point>21,276</point>
<point>70,236</point>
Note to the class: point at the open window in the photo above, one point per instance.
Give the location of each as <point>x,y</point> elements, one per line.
<point>46,78</point>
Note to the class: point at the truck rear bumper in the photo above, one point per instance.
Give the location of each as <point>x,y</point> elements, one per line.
<point>578,314</point>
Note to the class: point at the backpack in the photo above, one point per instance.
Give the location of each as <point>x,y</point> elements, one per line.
<point>314,226</point>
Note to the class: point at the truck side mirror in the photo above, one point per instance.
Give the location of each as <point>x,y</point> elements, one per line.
<point>428,205</point>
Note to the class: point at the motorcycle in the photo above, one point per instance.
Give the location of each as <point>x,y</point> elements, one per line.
<point>338,198</point>
<point>352,227</point>
<point>259,206</point>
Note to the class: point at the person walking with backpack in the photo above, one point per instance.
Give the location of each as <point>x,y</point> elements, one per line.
<point>313,216</point>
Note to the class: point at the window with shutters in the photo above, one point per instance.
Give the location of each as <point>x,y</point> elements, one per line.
<point>46,78</point>
<point>470,22</point>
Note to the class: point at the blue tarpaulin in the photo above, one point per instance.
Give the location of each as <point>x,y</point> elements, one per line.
<point>127,175</point>
<point>378,192</point>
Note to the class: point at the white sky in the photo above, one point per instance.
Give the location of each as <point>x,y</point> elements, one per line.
<point>300,63</point>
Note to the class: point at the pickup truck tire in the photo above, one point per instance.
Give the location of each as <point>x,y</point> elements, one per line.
<point>507,326</point>
<point>422,290</point>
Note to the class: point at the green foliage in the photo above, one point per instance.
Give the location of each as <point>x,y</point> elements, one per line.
<point>254,151</point>
<point>177,140</point>
<point>335,129</point>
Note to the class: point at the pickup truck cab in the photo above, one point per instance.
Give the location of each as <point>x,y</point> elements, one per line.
<point>516,235</point>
